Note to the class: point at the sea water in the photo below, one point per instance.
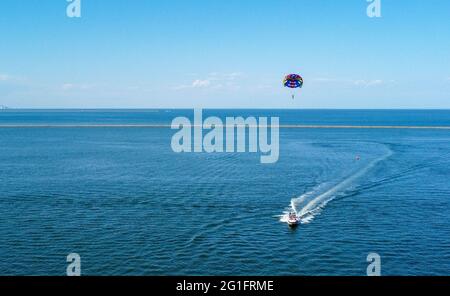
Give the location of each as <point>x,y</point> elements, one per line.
<point>128,205</point>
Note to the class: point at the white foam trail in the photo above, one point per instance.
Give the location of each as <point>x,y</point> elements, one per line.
<point>313,206</point>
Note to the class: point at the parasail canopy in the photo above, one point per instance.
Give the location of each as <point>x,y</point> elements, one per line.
<point>293,81</point>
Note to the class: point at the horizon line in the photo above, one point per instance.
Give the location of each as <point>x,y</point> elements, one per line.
<point>210,108</point>
<point>285,126</point>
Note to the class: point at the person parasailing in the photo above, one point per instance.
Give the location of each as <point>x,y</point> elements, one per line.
<point>293,81</point>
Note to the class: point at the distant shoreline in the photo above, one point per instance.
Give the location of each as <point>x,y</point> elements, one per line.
<point>69,126</point>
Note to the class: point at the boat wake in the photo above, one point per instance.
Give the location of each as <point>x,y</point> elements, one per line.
<point>311,204</point>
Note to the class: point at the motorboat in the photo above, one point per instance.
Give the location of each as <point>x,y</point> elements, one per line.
<point>293,220</point>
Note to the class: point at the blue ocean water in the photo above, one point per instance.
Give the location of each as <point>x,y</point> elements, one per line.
<point>287,117</point>
<point>129,205</point>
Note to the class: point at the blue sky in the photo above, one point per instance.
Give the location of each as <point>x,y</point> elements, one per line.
<point>224,54</point>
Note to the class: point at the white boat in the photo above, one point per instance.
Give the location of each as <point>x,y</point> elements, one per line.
<point>293,220</point>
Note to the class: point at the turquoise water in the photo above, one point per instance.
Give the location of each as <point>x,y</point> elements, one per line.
<point>129,205</point>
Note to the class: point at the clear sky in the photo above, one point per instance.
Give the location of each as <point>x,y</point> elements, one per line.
<point>232,54</point>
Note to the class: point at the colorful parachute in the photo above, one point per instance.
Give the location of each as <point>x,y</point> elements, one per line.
<point>293,81</point>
